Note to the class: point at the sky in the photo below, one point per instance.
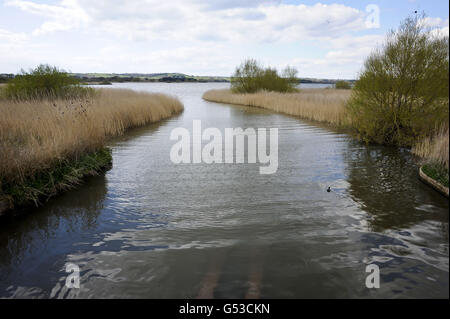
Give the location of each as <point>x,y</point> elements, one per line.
<point>326,39</point>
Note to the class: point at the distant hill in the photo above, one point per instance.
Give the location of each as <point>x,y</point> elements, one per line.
<point>323,81</point>
<point>108,78</point>
<point>171,77</point>
<point>150,77</point>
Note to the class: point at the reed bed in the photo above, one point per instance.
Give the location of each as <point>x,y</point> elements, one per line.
<point>35,135</point>
<point>435,148</point>
<point>322,105</point>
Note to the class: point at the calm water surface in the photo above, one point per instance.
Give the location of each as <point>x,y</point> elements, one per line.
<point>153,229</point>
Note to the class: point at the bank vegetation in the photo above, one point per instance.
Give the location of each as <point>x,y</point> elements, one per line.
<point>400,99</point>
<point>51,139</point>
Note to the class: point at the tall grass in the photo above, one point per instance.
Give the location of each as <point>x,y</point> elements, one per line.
<point>322,105</point>
<point>435,148</point>
<point>37,134</point>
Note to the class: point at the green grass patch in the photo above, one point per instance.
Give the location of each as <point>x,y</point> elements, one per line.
<point>436,172</point>
<point>64,175</point>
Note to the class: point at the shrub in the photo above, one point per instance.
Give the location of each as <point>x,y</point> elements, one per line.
<point>402,93</point>
<point>250,77</point>
<point>342,85</point>
<point>44,82</point>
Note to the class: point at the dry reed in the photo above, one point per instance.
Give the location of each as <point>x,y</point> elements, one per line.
<point>35,134</point>
<point>434,148</point>
<point>322,105</point>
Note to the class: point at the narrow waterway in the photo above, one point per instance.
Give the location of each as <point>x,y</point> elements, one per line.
<point>153,229</point>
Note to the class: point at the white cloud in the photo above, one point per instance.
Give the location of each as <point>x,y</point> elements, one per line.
<point>14,49</point>
<point>66,16</point>
<point>192,36</point>
<point>190,59</point>
<point>437,27</point>
<point>353,49</point>
<point>227,4</point>
<point>433,22</point>
<point>193,20</point>
<point>11,42</point>
<point>343,60</point>
<point>11,37</point>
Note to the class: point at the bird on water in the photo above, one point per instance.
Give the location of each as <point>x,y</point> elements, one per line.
<point>329,189</point>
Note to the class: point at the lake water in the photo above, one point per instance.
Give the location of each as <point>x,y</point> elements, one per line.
<point>153,229</point>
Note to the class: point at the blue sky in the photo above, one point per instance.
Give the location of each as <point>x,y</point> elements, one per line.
<point>326,39</point>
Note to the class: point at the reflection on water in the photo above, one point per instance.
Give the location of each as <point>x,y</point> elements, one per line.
<point>152,229</point>
<point>37,241</point>
<point>407,220</point>
<point>383,179</point>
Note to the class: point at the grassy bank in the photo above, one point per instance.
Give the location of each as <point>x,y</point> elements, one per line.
<point>49,144</point>
<point>436,172</point>
<point>435,152</point>
<point>63,175</point>
<point>322,105</point>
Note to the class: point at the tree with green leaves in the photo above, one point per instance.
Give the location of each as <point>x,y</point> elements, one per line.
<point>402,92</point>
<point>250,77</point>
<point>44,81</point>
<point>342,85</point>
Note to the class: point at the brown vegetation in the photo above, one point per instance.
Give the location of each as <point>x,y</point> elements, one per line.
<point>36,134</point>
<point>322,105</point>
<point>435,148</point>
